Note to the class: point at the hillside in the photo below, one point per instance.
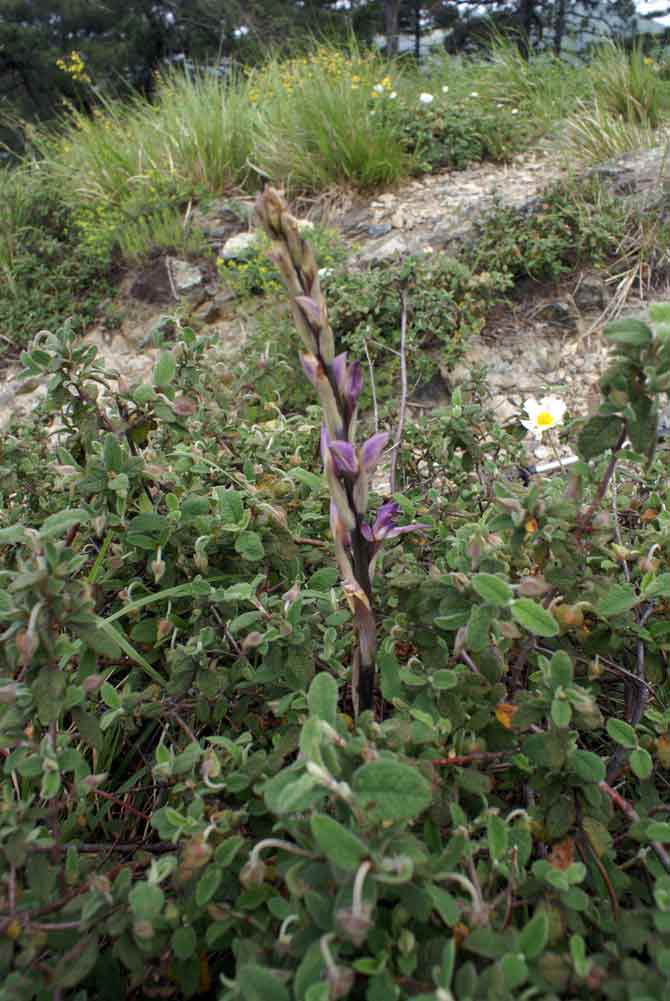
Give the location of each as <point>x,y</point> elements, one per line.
<point>316,682</point>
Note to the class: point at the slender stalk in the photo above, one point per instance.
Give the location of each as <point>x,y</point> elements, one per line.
<point>403,395</point>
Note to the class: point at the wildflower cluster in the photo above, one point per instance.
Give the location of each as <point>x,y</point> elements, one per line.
<point>74,66</point>
<point>325,65</point>
<point>451,127</point>
<point>385,89</point>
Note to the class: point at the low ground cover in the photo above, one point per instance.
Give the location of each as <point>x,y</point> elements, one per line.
<point>189,806</point>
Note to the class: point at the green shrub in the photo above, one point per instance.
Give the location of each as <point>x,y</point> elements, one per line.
<point>187,803</point>
<point>575,222</point>
<point>45,276</point>
<point>447,303</point>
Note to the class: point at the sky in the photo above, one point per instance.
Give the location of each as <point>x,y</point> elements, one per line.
<point>649,6</point>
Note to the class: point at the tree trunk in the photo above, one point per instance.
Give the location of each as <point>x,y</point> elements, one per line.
<point>417,29</point>
<point>391,18</point>
<point>559,27</point>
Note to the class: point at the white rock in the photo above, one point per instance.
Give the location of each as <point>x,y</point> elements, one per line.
<point>384,252</point>
<point>239,247</point>
<point>184,275</point>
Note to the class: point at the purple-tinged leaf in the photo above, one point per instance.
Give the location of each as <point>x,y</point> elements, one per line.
<point>309,308</point>
<point>311,367</point>
<point>325,446</point>
<point>403,529</point>
<point>372,450</point>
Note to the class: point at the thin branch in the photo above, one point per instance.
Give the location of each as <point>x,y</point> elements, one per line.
<point>604,483</point>
<point>373,388</point>
<point>467,759</point>
<point>631,813</point>
<point>403,395</point>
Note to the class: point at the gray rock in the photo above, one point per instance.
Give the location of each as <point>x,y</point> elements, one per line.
<point>433,393</point>
<point>208,312</point>
<point>503,408</point>
<point>238,248</point>
<point>559,314</point>
<point>395,246</point>
<point>186,276</point>
<point>590,294</point>
<point>381,229</point>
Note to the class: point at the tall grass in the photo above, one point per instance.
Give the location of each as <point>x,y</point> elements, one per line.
<point>127,173</point>
<point>321,124</point>
<point>628,85</point>
<point>628,101</point>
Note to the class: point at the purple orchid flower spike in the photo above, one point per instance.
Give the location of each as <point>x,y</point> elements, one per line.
<point>372,450</point>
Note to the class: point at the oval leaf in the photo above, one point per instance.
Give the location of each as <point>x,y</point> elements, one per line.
<point>322,697</point>
<point>629,331</point>
<point>391,790</point>
<point>492,589</point>
<point>340,846</point>
<point>622,732</point>
<point>534,617</point>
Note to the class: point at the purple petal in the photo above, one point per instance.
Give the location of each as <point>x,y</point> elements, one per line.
<point>311,367</point>
<point>339,369</point>
<point>372,449</point>
<point>403,529</point>
<point>354,383</point>
<point>384,519</point>
<point>344,454</point>
<point>367,532</point>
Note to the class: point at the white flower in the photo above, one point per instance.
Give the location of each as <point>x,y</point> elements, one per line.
<point>426,98</point>
<point>378,87</point>
<point>445,89</point>
<point>474,93</point>
<point>543,416</point>
<point>392,96</point>
<point>515,111</point>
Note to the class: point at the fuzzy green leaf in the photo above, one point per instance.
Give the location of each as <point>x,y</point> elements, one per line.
<point>641,763</point>
<point>492,589</point>
<point>184,941</point>
<point>340,846</point>
<point>534,617</point>
<point>622,732</point>
<point>588,766</point>
<point>391,790</point>
<point>164,369</point>
<point>598,435</point>
<point>322,697</point>
<point>629,331</point>
<point>620,598</point>
<point>60,522</point>
<point>534,935</point>
<point>259,984</point>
